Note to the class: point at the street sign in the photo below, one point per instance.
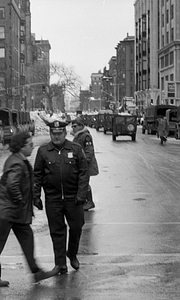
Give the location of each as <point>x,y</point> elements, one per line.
<point>171,89</point>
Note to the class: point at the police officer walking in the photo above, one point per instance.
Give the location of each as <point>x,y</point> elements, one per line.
<point>61,170</point>
<point>83,137</point>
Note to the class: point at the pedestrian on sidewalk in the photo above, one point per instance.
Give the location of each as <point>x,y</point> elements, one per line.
<point>16,202</point>
<point>162,129</point>
<point>61,170</point>
<point>83,137</point>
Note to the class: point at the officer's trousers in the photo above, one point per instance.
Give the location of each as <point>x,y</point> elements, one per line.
<point>58,212</point>
<point>25,237</point>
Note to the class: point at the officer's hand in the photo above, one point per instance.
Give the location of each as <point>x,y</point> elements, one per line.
<point>38,203</point>
<point>79,201</point>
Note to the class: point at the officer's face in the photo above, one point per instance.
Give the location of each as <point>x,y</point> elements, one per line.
<point>58,138</point>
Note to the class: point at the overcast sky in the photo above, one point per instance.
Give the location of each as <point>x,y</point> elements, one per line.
<point>82,33</point>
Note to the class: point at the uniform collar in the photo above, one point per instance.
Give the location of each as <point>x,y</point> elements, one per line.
<point>84,129</point>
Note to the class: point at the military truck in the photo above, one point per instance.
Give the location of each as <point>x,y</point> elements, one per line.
<point>152,114</point>
<point>124,124</point>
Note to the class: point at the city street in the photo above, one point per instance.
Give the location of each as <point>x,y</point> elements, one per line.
<point>130,245</point>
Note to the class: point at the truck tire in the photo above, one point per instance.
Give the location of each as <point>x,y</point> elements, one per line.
<point>114,137</point>
<point>149,130</point>
<point>134,137</point>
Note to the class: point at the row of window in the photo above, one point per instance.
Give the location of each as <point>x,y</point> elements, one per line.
<point>169,37</point>
<point>168,15</point>
<point>167,60</point>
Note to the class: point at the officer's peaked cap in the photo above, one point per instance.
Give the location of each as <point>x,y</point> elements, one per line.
<point>57,126</point>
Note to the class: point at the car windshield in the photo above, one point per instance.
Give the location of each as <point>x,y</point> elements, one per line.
<point>123,119</point>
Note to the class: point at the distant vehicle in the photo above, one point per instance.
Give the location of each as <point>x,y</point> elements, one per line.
<point>91,120</point>
<point>108,123</point>
<point>177,126</point>
<point>7,124</point>
<point>124,125</point>
<point>14,121</point>
<point>100,118</point>
<point>171,116</point>
<point>152,114</point>
<point>1,134</point>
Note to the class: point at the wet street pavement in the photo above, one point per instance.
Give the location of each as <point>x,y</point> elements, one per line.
<point>130,246</point>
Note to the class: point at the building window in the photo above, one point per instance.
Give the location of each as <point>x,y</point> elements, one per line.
<point>22,30</point>
<point>162,83</point>
<point>167,16</point>
<point>2,52</point>
<point>162,40</point>
<point>162,62</point>
<point>171,58</point>
<point>22,69</point>
<point>162,20</point>
<point>2,12</point>
<point>171,101</point>
<point>172,34</point>
<point>2,32</point>
<point>166,60</point>
<point>172,77</point>
<point>167,78</point>
<point>22,48</point>
<point>167,37</point>
<point>172,11</point>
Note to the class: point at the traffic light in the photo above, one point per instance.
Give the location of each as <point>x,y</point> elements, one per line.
<point>43,89</point>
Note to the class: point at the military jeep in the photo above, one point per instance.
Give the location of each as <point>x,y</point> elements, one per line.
<point>124,125</point>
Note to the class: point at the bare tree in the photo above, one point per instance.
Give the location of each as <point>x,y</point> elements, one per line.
<point>66,78</point>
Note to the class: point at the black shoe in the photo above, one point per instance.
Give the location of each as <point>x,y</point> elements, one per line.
<point>41,275</point>
<point>4,283</point>
<point>59,270</point>
<point>73,260</point>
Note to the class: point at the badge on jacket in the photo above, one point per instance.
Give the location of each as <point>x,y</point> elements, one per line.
<point>70,154</point>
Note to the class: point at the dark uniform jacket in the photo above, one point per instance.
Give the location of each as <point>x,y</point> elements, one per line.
<point>84,138</point>
<point>62,173</point>
<point>16,190</point>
